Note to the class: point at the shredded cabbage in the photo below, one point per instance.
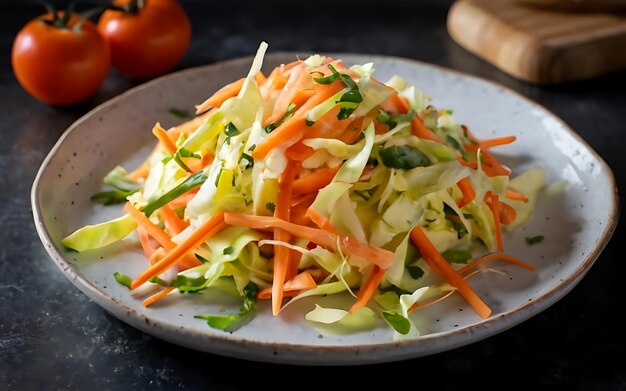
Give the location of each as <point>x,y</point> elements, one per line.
<point>370,183</point>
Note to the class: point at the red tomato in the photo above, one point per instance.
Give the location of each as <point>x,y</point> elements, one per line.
<point>146,41</point>
<point>60,65</point>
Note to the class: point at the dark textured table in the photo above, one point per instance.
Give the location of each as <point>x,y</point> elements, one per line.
<point>53,337</point>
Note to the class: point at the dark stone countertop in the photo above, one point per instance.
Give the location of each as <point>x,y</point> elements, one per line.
<point>53,337</point>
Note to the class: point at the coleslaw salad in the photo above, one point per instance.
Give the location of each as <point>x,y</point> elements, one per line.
<point>315,180</point>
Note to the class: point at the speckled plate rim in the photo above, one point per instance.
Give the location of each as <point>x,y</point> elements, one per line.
<point>286,353</point>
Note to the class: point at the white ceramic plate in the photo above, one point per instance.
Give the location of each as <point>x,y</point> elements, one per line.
<point>576,224</point>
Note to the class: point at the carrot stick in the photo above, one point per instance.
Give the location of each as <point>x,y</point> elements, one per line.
<point>140,173</point>
<point>298,283</point>
<point>378,256</point>
<point>183,199</point>
<point>467,190</point>
<point>495,210</point>
<point>513,195</point>
<point>296,80</point>
<point>321,221</point>
<point>327,126</point>
<point>190,126</point>
<point>160,236</point>
<point>299,152</point>
<point>146,243</point>
<point>302,96</point>
<point>260,78</point>
<point>226,92</point>
<point>488,257</point>
<point>472,165</point>
<point>429,303</point>
<point>368,289</point>
<point>420,130</point>
<point>211,227</point>
<point>157,296</point>
<point>172,222</point>
<point>493,166</point>
<point>440,266</point>
<point>314,181</point>
<point>493,142</point>
<point>153,230</point>
<point>281,253</point>
<point>299,209</point>
<point>164,138</point>
<point>396,104</point>
<point>295,127</point>
<point>507,213</point>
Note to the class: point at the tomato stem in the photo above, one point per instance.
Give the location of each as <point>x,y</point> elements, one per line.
<point>133,7</point>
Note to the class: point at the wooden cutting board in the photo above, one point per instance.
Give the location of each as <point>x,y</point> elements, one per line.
<point>540,45</point>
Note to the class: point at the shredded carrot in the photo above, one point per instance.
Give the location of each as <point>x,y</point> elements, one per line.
<point>282,254</point>
<point>396,104</point>
<point>211,227</point>
<point>378,256</point>
<point>488,257</point>
<point>172,222</point>
<point>300,282</point>
<point>493,142</point>
<point>429,303</point>
<point>299,152</point>
<point>159,235</point>
<point>146,243</point>
<point>190,126</point>
<point>441,266</point>
<point>472,165</point>
<point>299,209</point>
<point>196,165</point>
<point>513,195</point>
<point>492,166</point>
<point>140,173</point>
<point>313,182</point>
<point>260,78</point>
<point>224,93</point>
<point>494,205</point>
<point>302,96</point>
<point>467,190</point>
<point>164,138</point>
<point>153,230</point>
<point>420,130</point>
<point>183,199</point>
<point>321,221</point>
<point>157,296</point>
<point>507,213</point>
<point>297,81</point>
<point>295,127</point>
<point>327,126</point>
<point>368,288</point>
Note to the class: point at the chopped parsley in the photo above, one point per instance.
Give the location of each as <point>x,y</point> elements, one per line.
<point>403,157</point>
<point>534,239</point>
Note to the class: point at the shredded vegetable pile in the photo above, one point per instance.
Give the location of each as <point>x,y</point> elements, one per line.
<point>313,181</point>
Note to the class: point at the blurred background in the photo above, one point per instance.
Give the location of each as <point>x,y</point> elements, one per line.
<point>52,336</point>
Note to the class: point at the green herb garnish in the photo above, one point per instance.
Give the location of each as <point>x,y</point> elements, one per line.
<point>192,182</point>
<point>180,113</point>
<point>457,256</point>
<point>397,321</point>
<point>415,272</point>
<point>122,279</point>
<point>232,322</point>
<point>534,239</point>
<point>288,113</point>
<point>350,98</point>
<point>403,157</point>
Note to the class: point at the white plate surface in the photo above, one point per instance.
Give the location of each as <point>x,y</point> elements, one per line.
<point>576,224</point>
